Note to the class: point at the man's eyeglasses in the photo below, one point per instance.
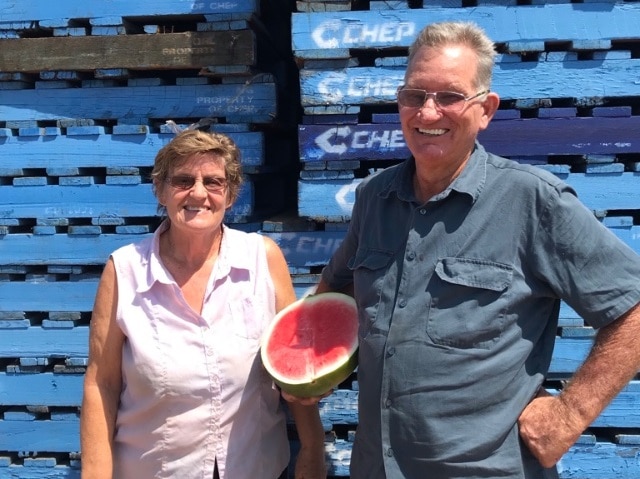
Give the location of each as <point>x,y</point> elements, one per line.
<point>186,182</point>
<point>449,101</point>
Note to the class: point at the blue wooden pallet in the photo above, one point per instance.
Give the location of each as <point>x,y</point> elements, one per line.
<point>40,389</point>
<point>588,81</point>
<point>332,200</point>
<point>517,137</point>
<point>95,201</point>
<point>253,103</point>
<point>332,34</point>
<point>21,11</point>
<point>93,147</point>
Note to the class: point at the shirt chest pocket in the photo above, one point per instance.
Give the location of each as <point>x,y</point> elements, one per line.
<point>469,298</point>
<point>246,318</point>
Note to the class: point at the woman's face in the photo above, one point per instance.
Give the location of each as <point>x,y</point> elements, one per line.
<point>195,194</point>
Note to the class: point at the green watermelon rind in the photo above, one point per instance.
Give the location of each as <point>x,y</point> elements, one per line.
<point>321,384</point>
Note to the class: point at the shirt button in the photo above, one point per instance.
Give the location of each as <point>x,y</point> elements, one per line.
<point>387,403</point>
<point>423,211</point>
<point>389,452</point>
<point>411,256</point>
<point>402,303</point>
<point>391,351</point>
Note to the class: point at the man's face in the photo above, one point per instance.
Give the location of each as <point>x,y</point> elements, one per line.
<point>436,136</point>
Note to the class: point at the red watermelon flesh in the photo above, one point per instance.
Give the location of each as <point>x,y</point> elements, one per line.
<point>311,346</point>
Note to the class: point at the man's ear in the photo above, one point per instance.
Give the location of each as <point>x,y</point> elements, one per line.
<point>489,107</point>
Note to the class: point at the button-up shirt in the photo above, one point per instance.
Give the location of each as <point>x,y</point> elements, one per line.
<point>458,301</point>
<point>194,388</point>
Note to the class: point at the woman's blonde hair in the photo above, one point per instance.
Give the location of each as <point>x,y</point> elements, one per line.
<point>195,142</point>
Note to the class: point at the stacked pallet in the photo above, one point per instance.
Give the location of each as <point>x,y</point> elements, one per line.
<point>567,76</point>
<point>89,92</point>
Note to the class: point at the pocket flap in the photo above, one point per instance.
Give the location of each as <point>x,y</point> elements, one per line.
<point>475,273</point>
<point>370,259</point>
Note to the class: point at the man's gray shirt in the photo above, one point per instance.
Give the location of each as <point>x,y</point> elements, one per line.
<point>458,301</point>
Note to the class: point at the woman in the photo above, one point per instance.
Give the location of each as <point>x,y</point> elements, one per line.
<point>174,387</point>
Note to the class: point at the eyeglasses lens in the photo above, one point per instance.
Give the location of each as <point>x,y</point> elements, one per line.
<point>184,182</point>
<point>445,100</point>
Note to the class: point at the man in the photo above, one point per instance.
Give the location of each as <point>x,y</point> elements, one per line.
<point>458,260</point>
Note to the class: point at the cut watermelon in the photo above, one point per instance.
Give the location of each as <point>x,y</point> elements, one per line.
<point>311,345</point>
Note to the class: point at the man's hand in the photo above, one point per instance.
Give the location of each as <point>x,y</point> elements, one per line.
<point>548,428</point>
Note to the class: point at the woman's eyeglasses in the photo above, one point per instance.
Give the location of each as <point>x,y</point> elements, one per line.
<point>449,101</point>
<point>186,182</point>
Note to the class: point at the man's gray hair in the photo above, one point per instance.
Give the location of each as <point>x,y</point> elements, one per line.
<point>460,33</point>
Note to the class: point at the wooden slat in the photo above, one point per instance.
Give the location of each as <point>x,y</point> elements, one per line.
<point>62,249</point>
<point>48,296</point>
<point>40,436</point>
<point>43,389</point>
<point>105,150</point>
<point>36,342</point>
<point>18,10</point>
<point>332,200</point>
<point>35,471</point>
<point>582,79</point>
<point>254,102</point>
<point>187,50</point>
<point>517,137</point>
<point>379,29</point>
<point>92,201</point>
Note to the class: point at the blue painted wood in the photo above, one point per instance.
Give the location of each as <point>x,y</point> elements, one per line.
<point>17,10</point>
<point>61,249</point>
<point>40,436</point>
<point>253,102</point>
<point>379,30</point>
<point>332,200</point>
<point>602,461</point>
<point>523,137</point>
<point>43,389</point>
<point>104,150</point>
<point>583,79</point>
<point>47,296</point>
<point>92,201</point>
<point>38,342</point>
<point>30,472</point>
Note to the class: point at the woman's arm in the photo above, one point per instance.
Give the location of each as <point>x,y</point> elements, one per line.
<point>310,462</point>
<point>102,381</point>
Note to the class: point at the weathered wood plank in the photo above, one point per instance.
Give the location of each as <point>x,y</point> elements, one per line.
<point>332,200</point>
<point>137,52</point>
<point>18,10</point>
<point>104,150</point>
<point>34,471</point>
<point>93,201</point>
<point>40,436</point>
<point>516,137</point>
<point>580,79</point>
<point>60,296</point>
<point>37,342</point>
<point>43,389</point>
<point>254,102</point>
<point>62,249</point>
<point>380,29</point>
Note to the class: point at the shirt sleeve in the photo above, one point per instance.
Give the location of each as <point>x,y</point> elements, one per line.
<point>585,264</point>
<point>337,274</point>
